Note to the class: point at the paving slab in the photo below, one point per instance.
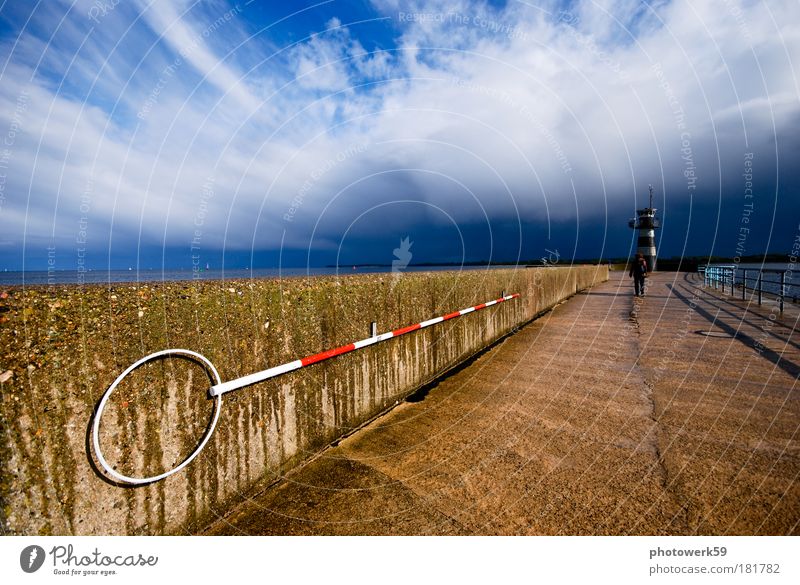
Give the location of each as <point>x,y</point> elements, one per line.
<point>676,413</point>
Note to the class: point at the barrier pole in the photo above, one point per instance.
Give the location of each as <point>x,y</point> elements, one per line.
<point>231,385</point>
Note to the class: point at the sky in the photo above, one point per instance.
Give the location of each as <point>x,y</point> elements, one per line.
<point>162,134</point>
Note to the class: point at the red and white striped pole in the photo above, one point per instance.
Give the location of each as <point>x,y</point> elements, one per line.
<point>231,385</point>
<point>221,387</point>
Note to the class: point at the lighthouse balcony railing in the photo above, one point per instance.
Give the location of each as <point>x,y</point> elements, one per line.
<point>759,282</point>
<point>647,223</point>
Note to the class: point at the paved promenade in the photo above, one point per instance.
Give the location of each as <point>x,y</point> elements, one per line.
<point>677,413</point>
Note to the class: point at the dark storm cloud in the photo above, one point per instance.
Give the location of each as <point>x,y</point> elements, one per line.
<point>158,126</point>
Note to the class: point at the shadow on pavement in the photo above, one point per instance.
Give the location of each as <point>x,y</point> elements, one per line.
<point>790,367</point>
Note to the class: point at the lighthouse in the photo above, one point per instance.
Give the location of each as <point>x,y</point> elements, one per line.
<point>647,224</point>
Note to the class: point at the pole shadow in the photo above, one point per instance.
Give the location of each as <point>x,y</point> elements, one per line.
<point>790,367</point>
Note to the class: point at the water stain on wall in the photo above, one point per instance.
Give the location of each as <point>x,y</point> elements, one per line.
<point>65,345</point>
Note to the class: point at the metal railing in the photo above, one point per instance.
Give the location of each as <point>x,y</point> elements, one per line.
<point>732,277</point>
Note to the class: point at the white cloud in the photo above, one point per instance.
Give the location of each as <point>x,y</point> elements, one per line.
<point>516,106</point>
<point>168,20</point>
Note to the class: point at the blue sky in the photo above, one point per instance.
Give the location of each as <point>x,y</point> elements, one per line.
<point>147,133</point>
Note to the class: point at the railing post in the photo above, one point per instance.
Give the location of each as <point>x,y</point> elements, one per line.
<point>759,287</point>
<point>723,275</point>
<point>783,288</point>
<point>744,283</point>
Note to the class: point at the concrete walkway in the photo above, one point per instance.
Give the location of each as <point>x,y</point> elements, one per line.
<point>673,414</point>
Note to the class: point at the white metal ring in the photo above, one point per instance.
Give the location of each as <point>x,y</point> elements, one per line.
<point>99,414</point>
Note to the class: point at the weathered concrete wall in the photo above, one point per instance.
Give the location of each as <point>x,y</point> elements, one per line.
<point>65,345</point>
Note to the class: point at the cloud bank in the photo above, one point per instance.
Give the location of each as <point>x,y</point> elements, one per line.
<point>213,125</point>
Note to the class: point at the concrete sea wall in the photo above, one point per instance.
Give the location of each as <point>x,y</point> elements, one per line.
<point>63,346</point>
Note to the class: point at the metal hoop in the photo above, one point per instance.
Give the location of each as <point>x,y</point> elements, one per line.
<point>99,414</point>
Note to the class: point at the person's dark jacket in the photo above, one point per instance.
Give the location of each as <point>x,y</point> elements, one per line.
<point>638,268</point>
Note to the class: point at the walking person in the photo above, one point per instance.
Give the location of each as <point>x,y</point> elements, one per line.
<point>638,271</point>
